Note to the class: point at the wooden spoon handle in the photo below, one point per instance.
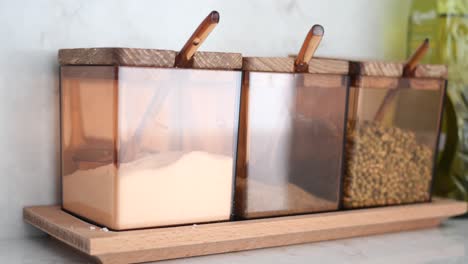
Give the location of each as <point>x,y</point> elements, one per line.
<point>197,38</point>
<point>408,71</point>
<point>414,60</point>
<point>386,102</point>
<point>130,150</point>
<point>309,47</point>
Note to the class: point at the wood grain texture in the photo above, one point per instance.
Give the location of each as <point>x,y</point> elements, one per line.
<point>376,68</point>
<point>391,69</point>
<point>226,246</point>
<point>286,65</point>
<point>217,60</point>
<point>147,58</point>
<point>431,71</point>
<point>268,64</point>
<point>185,241</point>
<point>117,56</point>
<point>328,66</point>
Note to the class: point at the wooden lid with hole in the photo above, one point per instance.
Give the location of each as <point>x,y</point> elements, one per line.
<point>147,58</point>
<point>303,62</point>
<point>286,65</point>
<point>410,69</point>
<point>393,69</point>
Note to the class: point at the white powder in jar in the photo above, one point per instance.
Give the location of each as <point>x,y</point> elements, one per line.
<point>158,190</point>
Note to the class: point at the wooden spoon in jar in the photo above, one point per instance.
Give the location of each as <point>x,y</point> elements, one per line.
<point>408,71</point>
<point>183,59</point>
<point>310,45</point>
<point>198,37</point>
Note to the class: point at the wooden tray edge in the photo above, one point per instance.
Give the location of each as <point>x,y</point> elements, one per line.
<point>55,230</point>
<point>186,241</point>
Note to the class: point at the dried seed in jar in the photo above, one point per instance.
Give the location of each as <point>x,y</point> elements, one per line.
<point>385,165</point>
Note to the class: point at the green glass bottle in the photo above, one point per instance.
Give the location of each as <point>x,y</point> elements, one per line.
<point>445,23</point>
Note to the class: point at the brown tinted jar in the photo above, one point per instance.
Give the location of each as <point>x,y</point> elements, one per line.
<point>145,144</point>
<point>392,134</point>
<point>291,138</point>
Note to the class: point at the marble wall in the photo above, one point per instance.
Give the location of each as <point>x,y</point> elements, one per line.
<point>32,32</point>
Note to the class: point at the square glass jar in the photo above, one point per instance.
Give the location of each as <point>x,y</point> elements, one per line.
<point>393,134</point>
<point>292,128</point>
<point>144,144</point>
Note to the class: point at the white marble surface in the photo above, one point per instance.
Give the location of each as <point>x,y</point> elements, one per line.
<point>33,30</point>
<point>445,245</point>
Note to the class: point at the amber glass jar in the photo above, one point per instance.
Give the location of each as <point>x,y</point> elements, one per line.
<point>392,134</point>
<point>145,144</point>
<point>292,129</point>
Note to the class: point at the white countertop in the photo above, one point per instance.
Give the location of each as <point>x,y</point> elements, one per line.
<point>447,244</point>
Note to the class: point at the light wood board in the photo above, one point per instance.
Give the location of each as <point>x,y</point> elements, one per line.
<point>186,241</point>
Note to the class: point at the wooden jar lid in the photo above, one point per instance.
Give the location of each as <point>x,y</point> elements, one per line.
<point>392,69</point>
<point>389,75</point>
<point>286,65</point>
<point>147,58</point>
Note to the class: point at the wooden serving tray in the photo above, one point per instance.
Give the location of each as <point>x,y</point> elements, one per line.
<point>196,240</point>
